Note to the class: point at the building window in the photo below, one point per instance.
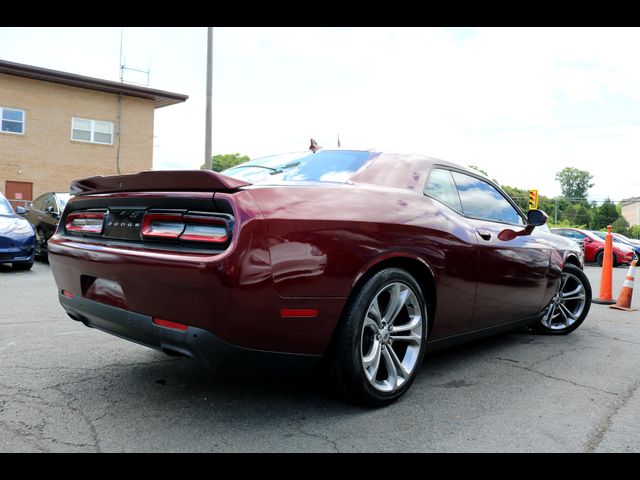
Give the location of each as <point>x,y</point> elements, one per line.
<point>93,131</point>
<point>12,120</point>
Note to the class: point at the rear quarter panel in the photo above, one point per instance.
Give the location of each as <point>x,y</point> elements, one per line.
<point>322,239</point>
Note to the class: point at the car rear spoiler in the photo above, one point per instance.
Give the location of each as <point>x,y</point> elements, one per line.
<point>162,180</point>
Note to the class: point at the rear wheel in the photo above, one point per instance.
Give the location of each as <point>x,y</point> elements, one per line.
<point>380,341</point>
<point>41,251</point>
<point>570,304</point>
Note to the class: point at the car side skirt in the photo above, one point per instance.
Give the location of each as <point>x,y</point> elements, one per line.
<point>446,342</point>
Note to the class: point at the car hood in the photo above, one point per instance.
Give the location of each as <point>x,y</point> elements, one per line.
<point>10,224</point>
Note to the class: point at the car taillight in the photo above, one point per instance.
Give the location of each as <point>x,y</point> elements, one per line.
<point>162,225</point>
<point>204,229</point>
<point>86,222</point>
<point>195,228</point>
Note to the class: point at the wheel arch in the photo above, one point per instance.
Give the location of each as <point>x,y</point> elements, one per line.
<point>573,260</point>
<point>420,270</point>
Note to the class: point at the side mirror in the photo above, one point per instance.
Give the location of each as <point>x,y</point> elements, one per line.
<point>587,240</point>
<point>535,218</point>
<point>21,210</point>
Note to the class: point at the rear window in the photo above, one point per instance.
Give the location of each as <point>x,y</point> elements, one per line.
<point>323,166</point>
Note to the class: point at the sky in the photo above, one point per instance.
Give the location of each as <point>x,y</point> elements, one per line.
<point>520,103</point>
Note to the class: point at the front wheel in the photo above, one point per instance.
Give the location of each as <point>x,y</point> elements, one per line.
<point>22,265</point>
<point>570,304</point>
<point>379,344</point>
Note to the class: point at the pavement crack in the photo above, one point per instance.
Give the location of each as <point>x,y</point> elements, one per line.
<point>89,421</point>
<point>331,442</point>
<point>551,377</point>
<point>592,333</point>
<point>596,437</point>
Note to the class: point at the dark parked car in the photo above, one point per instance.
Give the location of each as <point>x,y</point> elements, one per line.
<point>17,238</point>
<point>365,259</point>
<point>44,215</point>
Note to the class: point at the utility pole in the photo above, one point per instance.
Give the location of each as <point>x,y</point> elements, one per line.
<point>207,132</point>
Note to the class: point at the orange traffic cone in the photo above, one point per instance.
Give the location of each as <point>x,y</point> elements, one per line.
<point>606,281</point>
<point>624,300</point>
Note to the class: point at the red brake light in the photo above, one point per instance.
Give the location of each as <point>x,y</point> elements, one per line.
<point>195,228</point>
<point>85,222</point>
<point>205,229</point>
<point>162,225</point>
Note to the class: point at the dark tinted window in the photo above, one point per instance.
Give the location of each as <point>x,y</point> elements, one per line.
<point>50,201</point>
<point>481,200</point>
<point>38,203</point>
<point>574,234</point>
<point>323,166</point>
<point>441,187</point>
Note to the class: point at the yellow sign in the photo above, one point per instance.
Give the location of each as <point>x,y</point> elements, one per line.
<point>533,199</point>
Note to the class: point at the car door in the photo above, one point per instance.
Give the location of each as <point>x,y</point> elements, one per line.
<point>35,214</point>
<point>50,216</point>
<point>459,247</point>
<point>511,274</point>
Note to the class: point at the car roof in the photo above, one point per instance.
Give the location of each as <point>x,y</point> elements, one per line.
<point>404,170</point>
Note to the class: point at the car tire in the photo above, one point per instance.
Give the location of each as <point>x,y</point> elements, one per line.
<point>600,257</point>
<point>370,361</point>
<point>569,306</point>
<point>22,265</point>
<point>41,252</point>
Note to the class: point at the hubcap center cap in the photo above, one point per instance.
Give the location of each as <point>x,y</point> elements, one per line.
<point>385,336</point>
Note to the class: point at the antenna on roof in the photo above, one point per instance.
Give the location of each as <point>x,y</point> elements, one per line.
<point>314,147</point>
<point>339,141</point>
<point>123,67</point>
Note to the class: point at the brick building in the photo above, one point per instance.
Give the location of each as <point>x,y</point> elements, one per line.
<point>631,211</point>
<point>57,126</point>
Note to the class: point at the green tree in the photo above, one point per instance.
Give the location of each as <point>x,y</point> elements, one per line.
<point>604,215</point>
<point>577,214</point>
<point>227,160</point>
<point>621,226</point>
<point>518,195</point>
<point>575,183</point>
<point>475,167</point>
<point>634,232</point>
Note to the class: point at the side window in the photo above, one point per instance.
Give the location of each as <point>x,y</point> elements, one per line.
<point>441,187</point>
<point>50,202</point>
<point>481,200</point>
<point>38,203</point>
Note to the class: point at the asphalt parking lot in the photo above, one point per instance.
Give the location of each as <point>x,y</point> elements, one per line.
<point>65,387</point>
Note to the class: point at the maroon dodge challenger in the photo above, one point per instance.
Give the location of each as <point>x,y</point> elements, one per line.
<point>362,258</point>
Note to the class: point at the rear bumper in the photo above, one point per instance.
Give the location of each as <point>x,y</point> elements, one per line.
<point>195,342</point>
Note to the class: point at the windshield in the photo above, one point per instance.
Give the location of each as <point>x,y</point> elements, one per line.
<point>63,198</point>
<point>5,207</point>
<point>324,166</point>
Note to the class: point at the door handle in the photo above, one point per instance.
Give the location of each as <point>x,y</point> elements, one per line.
<point>485,234</point>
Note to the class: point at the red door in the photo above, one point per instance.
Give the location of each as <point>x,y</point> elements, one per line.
<point>19,193</point>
